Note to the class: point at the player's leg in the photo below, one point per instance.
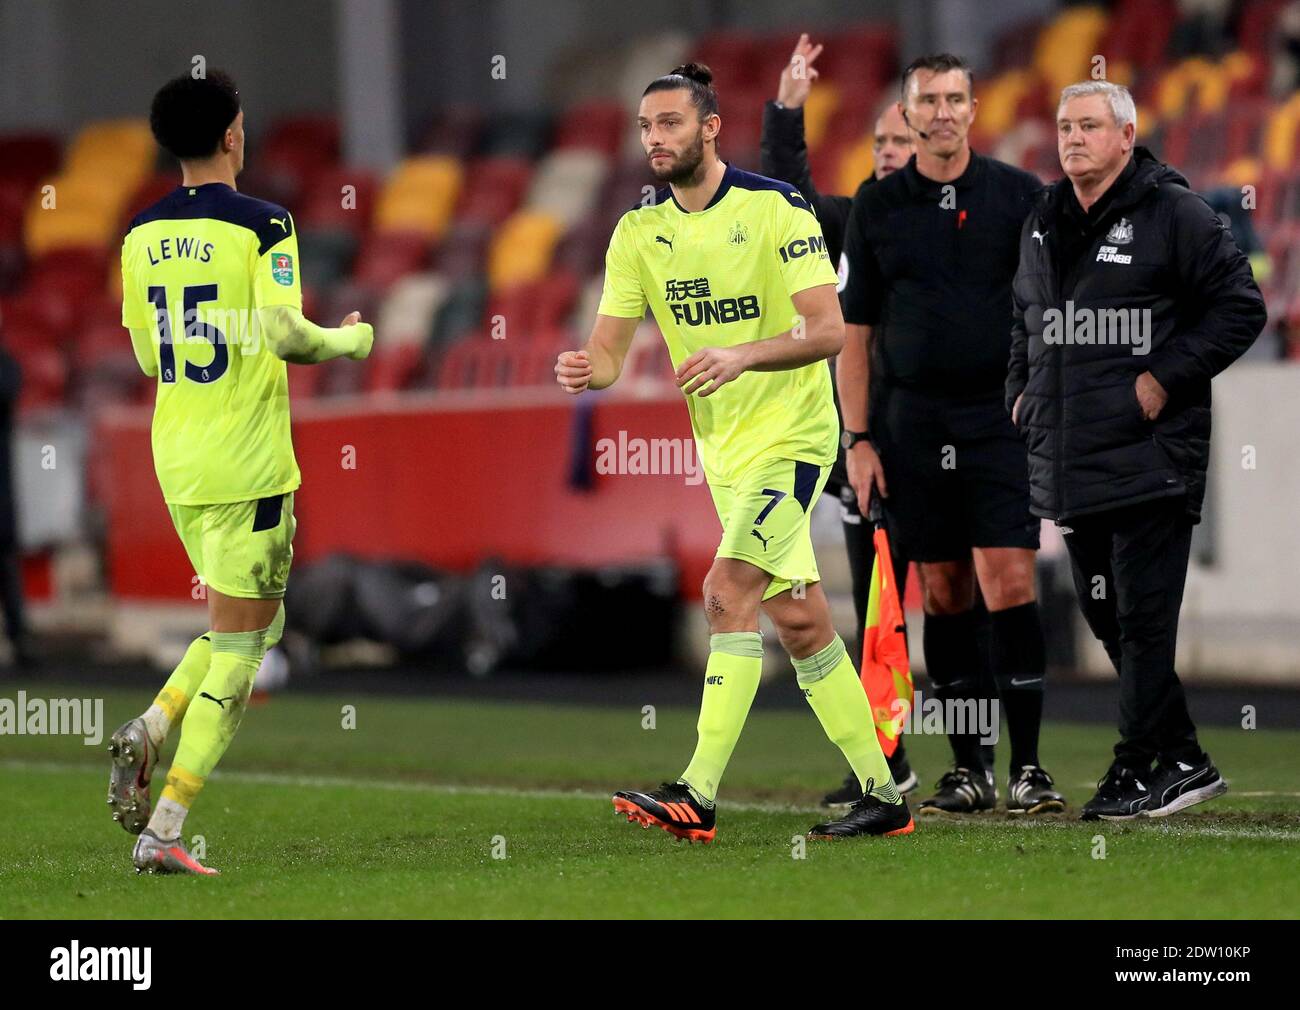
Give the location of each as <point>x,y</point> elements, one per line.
<point>686,808</point>
<point>247,549</point>
<point>795,602</point>
<point>861,555</point>
<point>135,745</point>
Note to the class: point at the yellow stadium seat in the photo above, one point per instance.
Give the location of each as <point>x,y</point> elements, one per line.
<point>1280,135</point>
<point>1000,98</point>
<point>1239,64</point>
<point>1066,46</point>
<point>420,196</point>
<point>856,163</point>
<point>522,249</point>
<point>77,210</point>
<point>1245,171</point>
<point>822,102</point>
<point>124,148</point>
<point>1120,72</point>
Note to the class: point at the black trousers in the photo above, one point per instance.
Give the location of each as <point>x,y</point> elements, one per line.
<point>1130,566</point>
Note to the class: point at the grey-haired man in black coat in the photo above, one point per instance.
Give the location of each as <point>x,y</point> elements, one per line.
<point>1130,297</point>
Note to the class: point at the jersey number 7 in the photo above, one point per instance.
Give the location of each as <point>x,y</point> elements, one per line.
<point>194,328</point>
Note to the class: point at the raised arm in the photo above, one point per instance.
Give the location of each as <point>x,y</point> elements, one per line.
<point>784,151</point>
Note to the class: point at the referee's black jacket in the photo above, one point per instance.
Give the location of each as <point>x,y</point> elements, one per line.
<point>1152,244</point>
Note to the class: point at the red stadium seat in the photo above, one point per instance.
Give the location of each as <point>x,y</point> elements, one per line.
<point>149,192</point>
<point>27,158</point>
<point>45,375</point>
<point>493,190</point>
<point>392,368</point>
<point>599,126</point>
<point>329,204</point>
<point>734,60</point>
<point>304,381</point>
<point>40,322</point>
<point>383,259</point>
<point>455,131</point>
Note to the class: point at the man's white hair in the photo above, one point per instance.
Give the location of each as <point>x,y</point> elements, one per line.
<point>1121,102</point>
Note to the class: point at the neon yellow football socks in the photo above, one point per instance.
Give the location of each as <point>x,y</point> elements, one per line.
<point>174,698</point>
<point>209,727</point>
<point>730,682</point>
<point>832,688</point>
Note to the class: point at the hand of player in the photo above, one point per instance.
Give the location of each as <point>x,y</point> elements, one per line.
<point>716,365</point>
<point>1015,409</point>
<point>1151,396</point>
<point>365,336</point>
<point>573,371</point>
<point>798,75</point>
<point>865,472</point>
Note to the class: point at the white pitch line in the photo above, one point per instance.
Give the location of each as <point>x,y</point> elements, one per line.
<point>1161,825</point>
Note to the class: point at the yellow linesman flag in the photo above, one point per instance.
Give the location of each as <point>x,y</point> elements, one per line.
<point>886,672</point>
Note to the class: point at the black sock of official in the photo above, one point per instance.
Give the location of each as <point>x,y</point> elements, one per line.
<point>987,692</point>
<point>1018,656</point>
<point>952,664</point>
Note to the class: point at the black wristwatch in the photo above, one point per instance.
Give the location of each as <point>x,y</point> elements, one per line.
<point>848,439</point>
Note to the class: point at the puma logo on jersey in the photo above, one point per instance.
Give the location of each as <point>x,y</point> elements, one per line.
<point>666,241</point>
<point>1040,235</point>
<point>761,538</point>
<point>280,222</point>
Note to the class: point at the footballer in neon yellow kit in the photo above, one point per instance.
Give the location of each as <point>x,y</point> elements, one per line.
<point>734,267</point>
<point>212,297</point>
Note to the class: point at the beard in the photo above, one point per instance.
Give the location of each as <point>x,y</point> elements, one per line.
<point>683,168</point>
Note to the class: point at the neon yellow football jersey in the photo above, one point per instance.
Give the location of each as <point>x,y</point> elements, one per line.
<point>722,276</point>
<point>196,266</point>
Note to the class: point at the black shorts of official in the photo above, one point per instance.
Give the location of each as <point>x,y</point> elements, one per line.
<point>957,473</point>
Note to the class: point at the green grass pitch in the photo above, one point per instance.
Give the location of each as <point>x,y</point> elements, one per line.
<point>405,814</point>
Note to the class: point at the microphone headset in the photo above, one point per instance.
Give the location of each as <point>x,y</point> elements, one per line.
<point>920,133</point>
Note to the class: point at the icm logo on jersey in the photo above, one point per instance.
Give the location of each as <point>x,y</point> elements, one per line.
<point>706,309</point>
<point>813,244</point>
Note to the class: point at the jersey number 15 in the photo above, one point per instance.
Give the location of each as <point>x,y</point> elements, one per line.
<point>194,329</point>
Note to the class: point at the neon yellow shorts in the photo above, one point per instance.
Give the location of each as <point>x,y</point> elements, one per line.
<point>766,520</point>
<point>243,549</point>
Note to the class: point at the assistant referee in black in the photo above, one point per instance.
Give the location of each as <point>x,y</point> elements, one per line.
<point>931,252</point>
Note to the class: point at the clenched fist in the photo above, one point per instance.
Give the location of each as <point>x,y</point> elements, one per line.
<point>573,371</point>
